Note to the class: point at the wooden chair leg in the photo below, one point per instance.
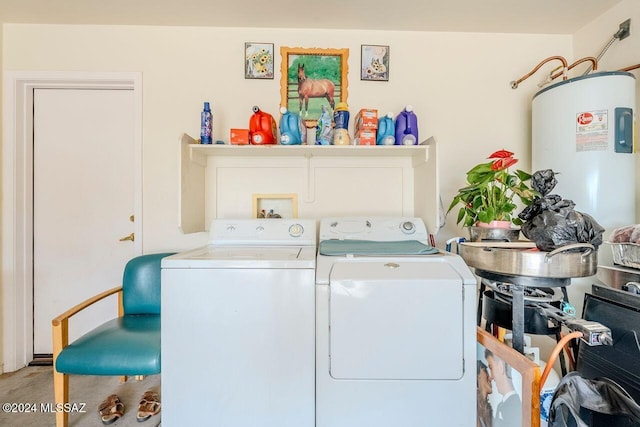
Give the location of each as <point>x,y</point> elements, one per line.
<point>123,379</point>
<point>60,380</point>
<point>61,396</point>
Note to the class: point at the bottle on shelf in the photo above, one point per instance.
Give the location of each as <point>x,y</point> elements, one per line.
<point>341,119</point>
<point>407,127</point>
<point>292,130</point>
<point>262,128</point>
<point>386,130</point>
<point>206,125</point>
<point>324,128</point>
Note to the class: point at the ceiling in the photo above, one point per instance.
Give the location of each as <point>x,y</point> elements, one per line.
<point>496,16</point>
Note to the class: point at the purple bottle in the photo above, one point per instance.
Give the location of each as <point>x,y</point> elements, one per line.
<point>407,127</point>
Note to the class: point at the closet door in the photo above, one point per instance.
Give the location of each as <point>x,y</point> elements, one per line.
<point>83,196</point>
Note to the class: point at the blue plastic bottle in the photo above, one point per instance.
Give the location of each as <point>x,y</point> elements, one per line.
<point>407,127</point>
<point>386,130</point>
<point>206,124</point>
<point>292,130</point>
<point>324,128</point>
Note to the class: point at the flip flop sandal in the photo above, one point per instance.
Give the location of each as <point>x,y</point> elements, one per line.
<point>149,406</point>
<point>111,409</point>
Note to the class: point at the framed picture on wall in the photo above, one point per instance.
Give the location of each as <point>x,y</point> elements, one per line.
<point>374,63</point>
<point>312,79</point>
<point>508,385</point>
<point>258,60</point>
<point>275,205</point>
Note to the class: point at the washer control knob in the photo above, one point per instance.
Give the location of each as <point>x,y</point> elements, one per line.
<point>408,227</point>
<point>296,230</point>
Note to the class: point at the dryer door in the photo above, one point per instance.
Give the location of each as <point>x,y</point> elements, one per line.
<point>396,319</point>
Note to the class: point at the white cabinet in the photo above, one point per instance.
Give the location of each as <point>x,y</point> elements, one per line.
<point>218,180</point>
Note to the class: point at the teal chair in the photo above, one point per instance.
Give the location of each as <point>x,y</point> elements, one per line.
<point>128,345</point>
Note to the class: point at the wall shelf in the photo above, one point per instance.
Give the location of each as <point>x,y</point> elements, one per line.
<point>199,152</point>
<point>420,185</point>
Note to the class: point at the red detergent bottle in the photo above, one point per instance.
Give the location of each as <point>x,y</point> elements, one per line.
<point>262,128</point>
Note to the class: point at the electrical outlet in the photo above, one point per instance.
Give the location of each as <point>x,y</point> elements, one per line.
<point>624,31</point>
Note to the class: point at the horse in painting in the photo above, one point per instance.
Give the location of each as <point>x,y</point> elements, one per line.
<point>313,88</point>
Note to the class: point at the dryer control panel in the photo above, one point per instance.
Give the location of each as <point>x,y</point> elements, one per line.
<point>373,228</point>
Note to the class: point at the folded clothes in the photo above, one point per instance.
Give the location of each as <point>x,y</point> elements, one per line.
<point>367,247</point>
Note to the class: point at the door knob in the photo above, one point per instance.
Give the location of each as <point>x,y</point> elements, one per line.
<point>131,237</point>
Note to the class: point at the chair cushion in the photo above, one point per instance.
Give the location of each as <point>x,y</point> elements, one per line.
<point>128,345</point>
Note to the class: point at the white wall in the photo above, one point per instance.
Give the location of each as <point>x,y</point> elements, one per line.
<point>1,207</point>
<point>458,84</point>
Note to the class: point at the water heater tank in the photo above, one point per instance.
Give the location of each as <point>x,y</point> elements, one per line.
<point>582,128</point>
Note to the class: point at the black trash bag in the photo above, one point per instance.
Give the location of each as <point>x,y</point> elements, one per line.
<point>596,402</point>
<point>551,222</point>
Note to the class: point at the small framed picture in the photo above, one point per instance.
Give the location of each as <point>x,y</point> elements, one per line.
<point>258,60</point>
<point>508,384</point>
<point>374,64</point>
<point>275,205</point>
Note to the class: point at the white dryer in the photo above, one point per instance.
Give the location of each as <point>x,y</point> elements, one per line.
<point>238,327</point>
<point>395,327</point>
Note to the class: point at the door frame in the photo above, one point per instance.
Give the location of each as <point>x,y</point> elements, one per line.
<point>16,297</point>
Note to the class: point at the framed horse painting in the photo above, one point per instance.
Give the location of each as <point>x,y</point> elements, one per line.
<point>313,80</point>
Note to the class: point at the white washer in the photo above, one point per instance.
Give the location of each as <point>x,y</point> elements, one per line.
<point>238,327</point>
<point>395,328</point>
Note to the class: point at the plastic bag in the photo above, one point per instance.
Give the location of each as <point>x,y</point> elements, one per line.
<point>551,222</point>
<point>628,234</point>
<point>577,399</point>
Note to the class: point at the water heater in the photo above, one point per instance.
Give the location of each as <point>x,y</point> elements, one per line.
<point>583,129</point>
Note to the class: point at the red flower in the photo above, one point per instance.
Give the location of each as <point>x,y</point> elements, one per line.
<point>501,154</point>
<point>502,164</point>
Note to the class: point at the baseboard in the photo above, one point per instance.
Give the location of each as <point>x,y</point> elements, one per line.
<point>42,360</point>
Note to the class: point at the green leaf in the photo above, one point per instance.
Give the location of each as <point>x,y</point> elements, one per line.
<point>522,175</point>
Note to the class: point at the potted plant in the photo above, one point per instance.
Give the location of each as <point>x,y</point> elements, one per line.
<point>492,191</point>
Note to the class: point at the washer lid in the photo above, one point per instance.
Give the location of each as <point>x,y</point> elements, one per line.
<point>243,257</point>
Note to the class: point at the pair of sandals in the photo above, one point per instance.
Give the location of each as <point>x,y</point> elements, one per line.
<point>112,408</point>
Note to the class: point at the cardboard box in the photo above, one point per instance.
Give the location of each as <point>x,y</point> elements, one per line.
<point>366,137</point>
<point>239,136</point>
<point>366,119</point>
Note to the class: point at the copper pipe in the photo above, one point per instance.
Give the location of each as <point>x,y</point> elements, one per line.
<point>632,67</point>
<point>554,354</point>
<point>515,84</point>
<point>594,66</point>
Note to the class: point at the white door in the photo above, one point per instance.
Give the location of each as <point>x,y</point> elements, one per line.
<point>83,197</point>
